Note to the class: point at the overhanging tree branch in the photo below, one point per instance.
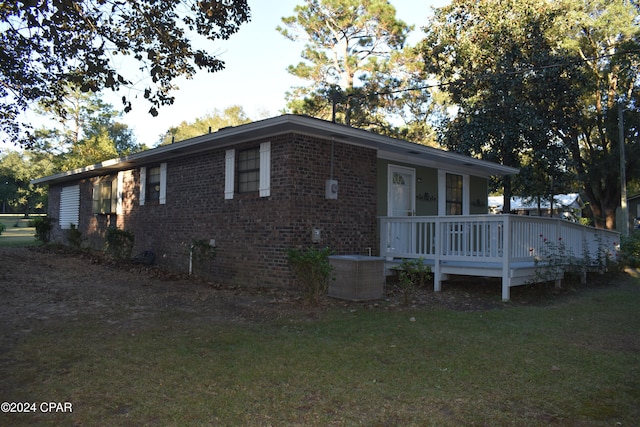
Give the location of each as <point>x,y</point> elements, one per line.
<point>48,44</point>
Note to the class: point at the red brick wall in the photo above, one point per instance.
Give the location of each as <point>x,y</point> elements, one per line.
<point>53,211</point>
<point>252,233</point>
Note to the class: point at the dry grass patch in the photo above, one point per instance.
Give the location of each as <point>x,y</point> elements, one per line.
<point>571,363</point>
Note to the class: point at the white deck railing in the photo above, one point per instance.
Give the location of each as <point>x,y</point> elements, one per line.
<point>502,241</point>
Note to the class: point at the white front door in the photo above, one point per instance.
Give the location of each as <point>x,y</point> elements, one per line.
<point>401,201</point>
<point>402,191</point>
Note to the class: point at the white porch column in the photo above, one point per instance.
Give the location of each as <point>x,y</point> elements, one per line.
<point>442,192</point>
<point>466,195</point>
<point>506,257</point>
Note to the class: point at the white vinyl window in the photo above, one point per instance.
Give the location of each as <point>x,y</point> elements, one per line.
<point>153,184</point>
<point>106,197</point>
<point>69,207</point>
<point>454,194</point>
<point>248,170</point>
<point>251,173</point>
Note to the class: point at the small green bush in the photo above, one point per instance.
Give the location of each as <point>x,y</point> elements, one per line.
<point>202,250</point>
<point>630,250</point>
<point>119,243</point>
<point>43,227</point>
<point>2,228</point>
<point>553,260</point>
<point>201,253</point>
<point>312,270</point>
<point>413,274</point>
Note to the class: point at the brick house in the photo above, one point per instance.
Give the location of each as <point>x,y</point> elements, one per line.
<point>264,187</point>
<point>633,205</point>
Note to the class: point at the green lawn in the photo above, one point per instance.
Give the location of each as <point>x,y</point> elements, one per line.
<point>17,231</point>
<point>575,362</point>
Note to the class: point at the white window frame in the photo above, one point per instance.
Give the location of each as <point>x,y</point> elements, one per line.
<point>163,184</point>
<point>264,184</point>
<point>442,191</point>
<point>97,201</point>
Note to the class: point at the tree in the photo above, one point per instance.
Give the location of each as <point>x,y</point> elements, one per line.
<point>482,51</point>
<point>528,99</point>
<point>17,169</point>
<point>231,116</point>
<point>86,133</point>
<point>605,36</point>
<point>96,147</point>
<point>355,61</point>
<point>46,45</point>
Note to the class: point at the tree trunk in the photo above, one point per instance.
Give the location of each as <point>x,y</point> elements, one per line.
<point>506,203</point>
<point>594,207</point>
<point>610,218</point>
<point>347,112</point>
<point>539,206</point>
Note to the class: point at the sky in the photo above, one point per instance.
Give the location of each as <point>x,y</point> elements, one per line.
<point>255,75</point>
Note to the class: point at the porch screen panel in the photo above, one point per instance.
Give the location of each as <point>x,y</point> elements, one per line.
<point>69,206</point>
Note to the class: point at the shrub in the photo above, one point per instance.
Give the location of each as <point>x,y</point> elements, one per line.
<point>551,260</point>
<point>119,243</point>
<point>2,228</point>
<point>43,227</point>
<point>200,252</point>
<point>74,237</point>
<point>630,250</point>
<point>312,270</point>
<point>557,262</point>
<point>413,274</point>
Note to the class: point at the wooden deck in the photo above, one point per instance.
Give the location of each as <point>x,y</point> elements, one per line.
<point>517,249</point>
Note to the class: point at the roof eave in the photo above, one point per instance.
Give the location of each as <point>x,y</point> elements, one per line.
<point>387,147</point>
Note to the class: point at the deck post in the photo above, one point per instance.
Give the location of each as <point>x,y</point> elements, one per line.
<point>437,274</point>
<point>506,257</point>
<point>437,277</point>
<point>558,283</point>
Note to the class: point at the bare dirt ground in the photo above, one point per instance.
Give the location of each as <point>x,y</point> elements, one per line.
<point>39,286</point>
<point>46,286</point>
